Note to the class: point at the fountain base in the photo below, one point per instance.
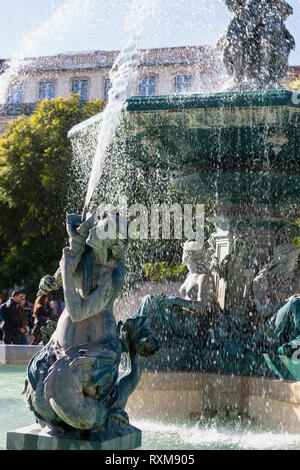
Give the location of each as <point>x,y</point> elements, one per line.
<point>35,437</point>
<point>271,403</point>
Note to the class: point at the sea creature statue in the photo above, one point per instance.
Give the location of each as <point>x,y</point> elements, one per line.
<point>73,383</point>
<point>277,297</point>
<point>256,45</point>
<point>238,270</point>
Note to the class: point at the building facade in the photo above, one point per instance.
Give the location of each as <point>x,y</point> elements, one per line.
<point>164,71</point>
<point>160,72</point>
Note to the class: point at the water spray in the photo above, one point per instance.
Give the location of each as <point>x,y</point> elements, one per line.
<point>84,213</point>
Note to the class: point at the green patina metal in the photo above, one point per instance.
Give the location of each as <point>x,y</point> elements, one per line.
<point>229,99</point>
<point>282,367</point>
<point>35,438</point>
<point>233,144</point>
<point>230,146</point>
<point>252,188</point>
<point>73,383</point>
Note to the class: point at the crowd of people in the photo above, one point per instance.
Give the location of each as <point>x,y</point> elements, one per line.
<point>21,319</point>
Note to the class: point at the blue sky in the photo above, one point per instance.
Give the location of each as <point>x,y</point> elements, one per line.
<point>45,27</point>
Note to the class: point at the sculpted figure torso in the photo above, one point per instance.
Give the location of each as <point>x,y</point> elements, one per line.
<point>92,277</point>
<point>89,325</point>
<point>199,285</point>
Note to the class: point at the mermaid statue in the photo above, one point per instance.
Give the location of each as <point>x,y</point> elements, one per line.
<point>190,319</point>
<point>73,384</point>
<point>197,320</point>
<point>277,297</point>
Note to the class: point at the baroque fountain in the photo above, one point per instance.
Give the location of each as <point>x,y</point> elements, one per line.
<point>240,313</point>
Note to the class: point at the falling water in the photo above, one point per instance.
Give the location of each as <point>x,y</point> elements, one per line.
<point>122,75</point>
<point>219,433</point>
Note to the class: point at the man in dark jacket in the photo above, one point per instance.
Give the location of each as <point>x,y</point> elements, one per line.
<point>2,315</point>
<point>13,325</point>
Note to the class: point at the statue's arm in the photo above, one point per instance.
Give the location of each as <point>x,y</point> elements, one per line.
<point>49,283</point>
<point>78,231</point>
<point>169,302</point>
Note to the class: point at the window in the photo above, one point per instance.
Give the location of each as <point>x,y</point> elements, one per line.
<point>107,87</point>
<point>15,94</point>
<point>147,86</point>
<point>79,87</point>
<point>182,83</point>
<point>46,91</point>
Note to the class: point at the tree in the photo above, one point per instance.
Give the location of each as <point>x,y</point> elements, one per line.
<point>35,177</point>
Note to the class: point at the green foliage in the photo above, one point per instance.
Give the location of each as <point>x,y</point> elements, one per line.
<point>292,231</point>
<point>35,160</point>
<point>296,240</point>
<point>165,271</point>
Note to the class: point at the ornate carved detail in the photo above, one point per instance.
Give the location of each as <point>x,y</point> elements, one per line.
<point>277,280</point>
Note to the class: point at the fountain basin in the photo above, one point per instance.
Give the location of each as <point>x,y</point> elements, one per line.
<point>242,146</point>
<point>232,146</point>
<point>17,354</point>
<point>168,400</point>
<point>273,403</point>
<point>283,366</point>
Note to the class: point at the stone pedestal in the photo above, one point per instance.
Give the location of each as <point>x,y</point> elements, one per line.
<point>249,235</point>
<point>17,353</point>
<point>35,437</point>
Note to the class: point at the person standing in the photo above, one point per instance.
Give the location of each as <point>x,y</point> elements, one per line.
<point>2,308</point>
<point>40,314</point>
<point>13,325</point>
<point>21,309</point>
<point>2,315</point>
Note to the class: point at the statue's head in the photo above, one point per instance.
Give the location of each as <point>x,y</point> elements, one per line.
<point>277,6</point>
<point>233,5</point>
<point>195,256</point>
<point>109,237</point>
<point>281,7</point>
<point>135,335</point>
